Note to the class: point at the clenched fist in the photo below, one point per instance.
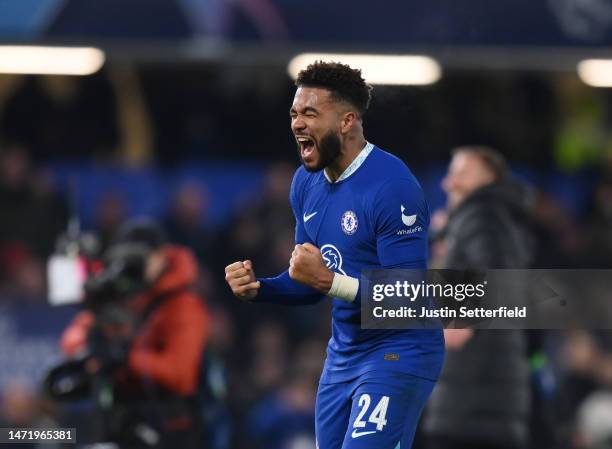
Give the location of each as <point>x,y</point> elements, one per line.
<point>307,267</point>
<point>241,279</point>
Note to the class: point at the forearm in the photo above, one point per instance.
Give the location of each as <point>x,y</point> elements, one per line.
<point>348,288</point>
<point>284,290</point>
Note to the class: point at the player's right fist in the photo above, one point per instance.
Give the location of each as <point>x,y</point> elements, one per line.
<point>241,279</point>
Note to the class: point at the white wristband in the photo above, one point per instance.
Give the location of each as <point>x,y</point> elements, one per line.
<point>344,287</point>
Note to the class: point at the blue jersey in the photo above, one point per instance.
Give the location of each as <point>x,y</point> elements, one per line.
<point>373,216</point>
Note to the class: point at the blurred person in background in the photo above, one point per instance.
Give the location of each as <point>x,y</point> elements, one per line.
<point>261,372</point>
<point>21,407</point>
<point>26,201</point>
<point>23,275</point>
<point>264,227</point>
<point>143,338</point>
<point>284,418</point>
<point>482,399</point>
<point>584,368</point>
<point>214,391</point>
<point>559,240</point>
<point>581,359</point>
<point>110,212</point>
<point>594,424</point>
<point>269,358</point>
<point>186,224</point>
<point>598,247</point>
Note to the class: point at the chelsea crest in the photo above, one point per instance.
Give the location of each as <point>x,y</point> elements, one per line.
<point>349,222</point>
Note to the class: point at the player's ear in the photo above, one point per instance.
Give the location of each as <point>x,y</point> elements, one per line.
<point>348,121</point>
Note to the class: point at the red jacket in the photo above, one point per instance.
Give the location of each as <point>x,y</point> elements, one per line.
<point>168,347</point>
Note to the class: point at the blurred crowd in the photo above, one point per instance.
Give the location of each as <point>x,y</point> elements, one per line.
<point>272,355</point>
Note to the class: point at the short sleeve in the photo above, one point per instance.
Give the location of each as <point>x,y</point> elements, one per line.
<point>401,220</point>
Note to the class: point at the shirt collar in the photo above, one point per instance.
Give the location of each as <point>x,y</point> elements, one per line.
<point>352,168</point>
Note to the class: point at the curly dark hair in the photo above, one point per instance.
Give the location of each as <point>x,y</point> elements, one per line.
<point>344,83</point>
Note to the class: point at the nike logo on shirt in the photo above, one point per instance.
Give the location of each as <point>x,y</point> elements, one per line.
<point>308,217</point>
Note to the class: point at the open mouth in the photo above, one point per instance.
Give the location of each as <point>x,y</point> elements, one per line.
<point>307,146</point>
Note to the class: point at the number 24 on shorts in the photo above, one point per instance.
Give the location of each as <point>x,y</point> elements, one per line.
<point>378,415</point>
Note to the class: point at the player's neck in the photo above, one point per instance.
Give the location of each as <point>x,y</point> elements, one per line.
<point>350,150</point>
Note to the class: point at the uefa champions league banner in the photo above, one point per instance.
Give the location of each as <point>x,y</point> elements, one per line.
<point>487,299</point>
<point>395,25</point>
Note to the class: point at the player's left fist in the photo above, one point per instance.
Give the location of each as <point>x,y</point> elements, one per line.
<point>307,267</point>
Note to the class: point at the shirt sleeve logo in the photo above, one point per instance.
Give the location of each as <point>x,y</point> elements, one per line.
<point>349,222</point>
<point>408,220</point>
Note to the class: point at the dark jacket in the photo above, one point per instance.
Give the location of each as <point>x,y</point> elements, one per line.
<point>483,393</point>
<point>492,228</point>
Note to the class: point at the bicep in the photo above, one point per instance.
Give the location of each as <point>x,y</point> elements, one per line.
<point>401,219</point>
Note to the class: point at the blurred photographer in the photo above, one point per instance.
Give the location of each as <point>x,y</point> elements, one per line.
<point>140,342</point>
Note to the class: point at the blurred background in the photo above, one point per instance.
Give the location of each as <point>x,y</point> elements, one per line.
<point>183,116</point>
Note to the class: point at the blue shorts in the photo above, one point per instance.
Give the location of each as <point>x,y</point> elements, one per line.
<point>377,410</point>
